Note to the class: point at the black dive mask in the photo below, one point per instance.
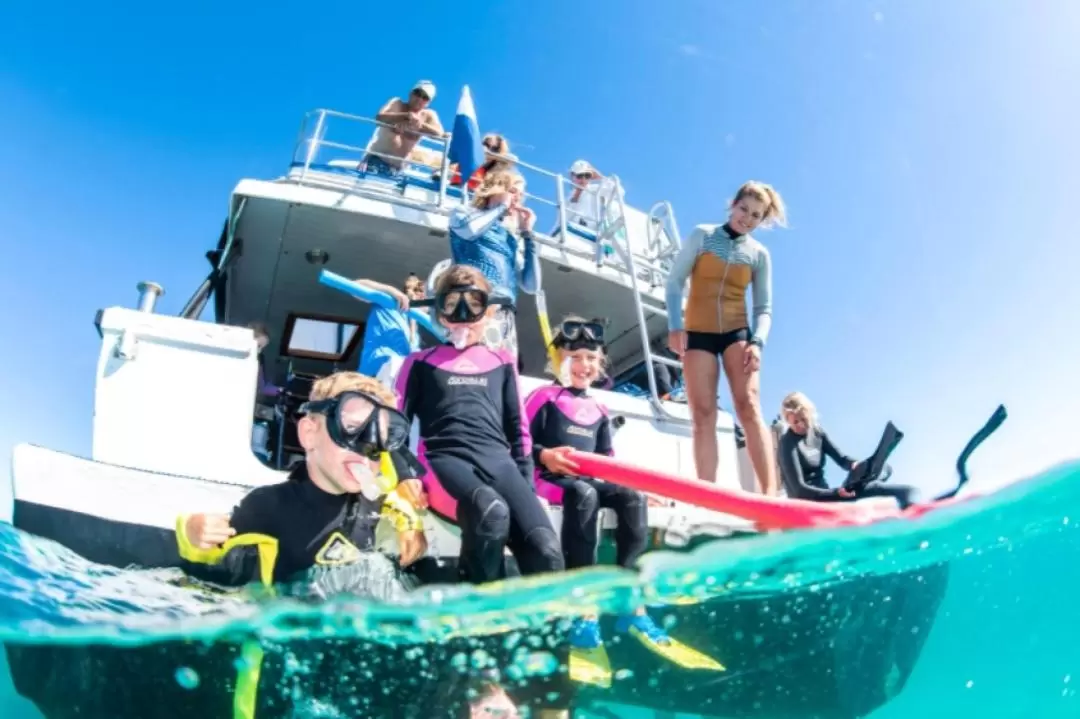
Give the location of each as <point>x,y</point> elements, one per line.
<point>579,334</point>
<point>360,423</point>
<point>463,304</point>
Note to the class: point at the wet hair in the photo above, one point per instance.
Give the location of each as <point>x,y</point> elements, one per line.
<point>456,694</point>
<point>461,276</point>
<point>775,212</point>
<point>341,382</point>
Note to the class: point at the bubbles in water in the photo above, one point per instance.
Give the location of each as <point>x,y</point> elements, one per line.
<point>187,677</point>
<point>970,683</point>
<point>623,674</point>
<point>460,662</point>
<point>539,663</point>
<point>481,659</point>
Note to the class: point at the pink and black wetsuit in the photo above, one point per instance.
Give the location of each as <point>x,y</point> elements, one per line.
<point>566,417</point>
<point>475,440</point>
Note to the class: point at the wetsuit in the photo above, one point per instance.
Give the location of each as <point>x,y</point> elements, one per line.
<point>282,532</point>
<point>720,264</point>
<point>802,469</point>
<point>479,239</point>
<point>285,529</point>
<point>474,439</point>
<point>567,417</point>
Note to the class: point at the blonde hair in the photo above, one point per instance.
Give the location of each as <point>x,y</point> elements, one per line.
<point>775,212</point>
<point>496,183</point>
<point>341,382</point>
<point>800,404</point>
<point>461,276</point>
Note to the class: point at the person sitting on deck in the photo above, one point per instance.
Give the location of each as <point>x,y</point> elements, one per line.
<point>474,437</point>
<point>564,417</point>
<point>721,262</point>
<point>803,448</point>
<point>357,468</point>
<point>389,335</point>
<point>497,156</point>
<point>483,237</point>
<point>403,123</point>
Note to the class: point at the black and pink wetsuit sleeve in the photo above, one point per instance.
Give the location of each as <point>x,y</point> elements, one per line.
<point>515,423</point>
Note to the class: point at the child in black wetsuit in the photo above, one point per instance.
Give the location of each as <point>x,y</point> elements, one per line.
<point>562,417</point>
<point>474,436</point>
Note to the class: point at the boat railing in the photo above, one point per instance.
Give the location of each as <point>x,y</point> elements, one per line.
<point>331,147</point>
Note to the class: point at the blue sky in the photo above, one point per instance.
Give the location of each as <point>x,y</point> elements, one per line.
<point>926,150</point>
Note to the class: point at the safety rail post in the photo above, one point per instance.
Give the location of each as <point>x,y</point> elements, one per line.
<point>444,171</point>
<point>313,145</point>
<point>560,197</point>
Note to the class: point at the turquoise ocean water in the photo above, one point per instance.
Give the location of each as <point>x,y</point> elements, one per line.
<point>1005,641</point>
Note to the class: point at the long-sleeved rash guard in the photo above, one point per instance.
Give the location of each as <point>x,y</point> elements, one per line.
<point>720,265</point>
<point>479,239</point>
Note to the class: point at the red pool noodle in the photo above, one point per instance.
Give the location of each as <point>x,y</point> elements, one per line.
<point>766,512</point>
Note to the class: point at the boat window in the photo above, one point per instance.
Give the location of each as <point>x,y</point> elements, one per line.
<point>320,337</point>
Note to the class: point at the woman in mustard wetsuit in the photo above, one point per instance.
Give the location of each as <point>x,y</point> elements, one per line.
<point>721,262</point>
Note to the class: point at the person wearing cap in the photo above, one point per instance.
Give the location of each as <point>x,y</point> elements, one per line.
<point>583,205</point>
<point>403,122</point>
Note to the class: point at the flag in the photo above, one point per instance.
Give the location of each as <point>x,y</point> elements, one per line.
<point>465,142</point>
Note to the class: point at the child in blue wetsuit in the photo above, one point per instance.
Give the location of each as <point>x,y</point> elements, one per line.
<point>483,237</point>
<point>562,417</point>
<point>474,436</point>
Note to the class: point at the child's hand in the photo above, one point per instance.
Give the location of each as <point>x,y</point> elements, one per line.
<point>206,531</point>
<point>412,491</point>
<point>557,460</point>
<point>412,544</point>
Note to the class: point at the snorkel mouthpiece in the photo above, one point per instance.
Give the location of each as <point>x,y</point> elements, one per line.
<point>459,337</point>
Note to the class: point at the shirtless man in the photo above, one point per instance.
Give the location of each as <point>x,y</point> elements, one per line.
<point>407,121</point>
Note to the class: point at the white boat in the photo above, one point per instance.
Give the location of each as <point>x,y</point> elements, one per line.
<point>174,395</point>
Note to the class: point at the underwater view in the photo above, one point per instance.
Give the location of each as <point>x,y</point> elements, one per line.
<point>975,601</point>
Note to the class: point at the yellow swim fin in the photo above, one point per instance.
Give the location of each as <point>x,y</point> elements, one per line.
<point>678,653</point>
<point>590,666</point>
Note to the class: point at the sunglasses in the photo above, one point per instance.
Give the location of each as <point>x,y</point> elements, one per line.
<point>422,95</point>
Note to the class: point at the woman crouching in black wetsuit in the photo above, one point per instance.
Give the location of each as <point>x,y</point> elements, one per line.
<point>563,417</point>
<point>474,436</point>
<point>802,451</point>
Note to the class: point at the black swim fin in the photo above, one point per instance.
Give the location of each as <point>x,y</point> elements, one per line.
<point>875,468</point>
<point>999,416</point>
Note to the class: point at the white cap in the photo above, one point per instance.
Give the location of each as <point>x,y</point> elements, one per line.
<point>427,87</point>
<point>581,167</point>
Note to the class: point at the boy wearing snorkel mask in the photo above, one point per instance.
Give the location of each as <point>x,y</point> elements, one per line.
<point>356,470</point>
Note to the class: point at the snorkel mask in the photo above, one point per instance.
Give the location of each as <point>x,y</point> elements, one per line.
<point>579,334</point>
<point>361,424</point>
<point>463,305</point>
